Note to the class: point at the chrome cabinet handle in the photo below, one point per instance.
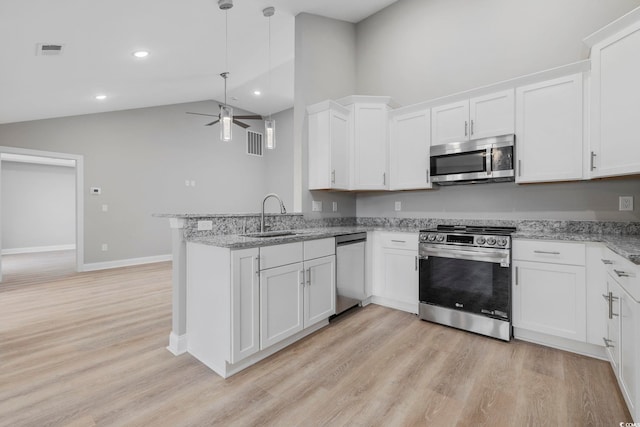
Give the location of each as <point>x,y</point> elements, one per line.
<point>471,127</point>
<point>258,265</point>
<point>606,342</point>
<point>399,241</point>
<point>606,261</point>
<point>519,167</point>
<point>610,298</point>
<point>427,176</point>
<point>333,176</point>
<point>301,274</point>
<point>384,178</point>
<point>593,162</point>
<point>416,262</point>
<point>516,276</point>
<point>621,273</point>
<point>466,126</point>
<point>309,276</point>
<point>547,252</point>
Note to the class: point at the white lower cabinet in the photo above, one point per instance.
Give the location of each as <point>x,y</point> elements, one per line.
<point>396,275</point>
<point>320,290</point>
<point>550,295</point>
<point>245,303</point>
<point>622,338</point>
<point>281,303</point>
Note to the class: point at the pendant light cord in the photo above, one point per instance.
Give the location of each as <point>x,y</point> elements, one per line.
<point>269,61</point>
<point>226,53</point>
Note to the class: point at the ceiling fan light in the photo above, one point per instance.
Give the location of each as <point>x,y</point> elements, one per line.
<point>270,133</point>
<point>226,122</point>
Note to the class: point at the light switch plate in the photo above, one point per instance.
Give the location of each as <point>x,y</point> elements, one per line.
<point>316,206</point>
<point>335,206</point>
<point>625,203</point>
<point>105,247</point>
<point>398,206</point>
<point>105,208</point>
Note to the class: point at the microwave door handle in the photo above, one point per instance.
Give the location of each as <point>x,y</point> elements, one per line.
<point>487,159</point>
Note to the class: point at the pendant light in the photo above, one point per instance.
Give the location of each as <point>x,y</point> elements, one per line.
<point>226,112</point>
<point>270,124</point>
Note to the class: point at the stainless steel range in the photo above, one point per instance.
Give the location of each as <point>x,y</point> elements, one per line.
<point>465,278</point>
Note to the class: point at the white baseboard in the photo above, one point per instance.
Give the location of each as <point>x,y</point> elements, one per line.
<point>397,305</point>
<point>585,349</point>
<point>36,249</point>
<point>125,262</point>
<point>177,344</point>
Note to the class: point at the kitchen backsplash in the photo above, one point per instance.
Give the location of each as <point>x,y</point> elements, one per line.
<point>250,223</point>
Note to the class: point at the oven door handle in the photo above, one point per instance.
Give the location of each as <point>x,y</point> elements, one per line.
<point>494,257</point>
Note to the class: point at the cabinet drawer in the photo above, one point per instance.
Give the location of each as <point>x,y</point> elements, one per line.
<point>624,272</point>
<point>319,248</point>
<point>399,240</point>
<point>277,255</point>
<point>549,251</point>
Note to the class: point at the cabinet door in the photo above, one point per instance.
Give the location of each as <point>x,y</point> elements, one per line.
<point>491,115</point>
<point>400,277</point>
<point>550,298</point>
<point>339,124</point>
<point>615,104</point>
<point>450,123</point>
<point>409,142</point>
<point>320,290</point>
<point>370,147</point>
<point>628,349</point>
<point>549,130</point>
<point>597,307</point>
<point>245,304</point>
<point>281,303</point>
<point>612,342</point>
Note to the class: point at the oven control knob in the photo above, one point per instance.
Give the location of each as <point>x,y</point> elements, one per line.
<point>440,238</point>
<point>423,237</point>
<point>480,240</point>
<point>432,237</point>
<point>491,241</point>
<point>502,242</point>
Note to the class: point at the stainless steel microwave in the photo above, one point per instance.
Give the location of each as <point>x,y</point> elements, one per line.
<point>478,161</point>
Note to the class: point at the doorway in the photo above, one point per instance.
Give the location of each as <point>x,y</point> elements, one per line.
<point>57,235</point>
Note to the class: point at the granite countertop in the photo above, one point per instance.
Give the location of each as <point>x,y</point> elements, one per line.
<point>627,246</point>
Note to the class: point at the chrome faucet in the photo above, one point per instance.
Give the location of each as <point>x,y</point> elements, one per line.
<point>283,210</point>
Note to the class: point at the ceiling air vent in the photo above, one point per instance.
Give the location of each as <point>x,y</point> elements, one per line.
<point>49,49</point>
<point>254,143</point>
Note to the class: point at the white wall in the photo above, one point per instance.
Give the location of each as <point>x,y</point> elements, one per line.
<point>141,159</point>
<point>38,206</point>
<point>279,178</point>
<point>325,65</point>
<point>416,50</point>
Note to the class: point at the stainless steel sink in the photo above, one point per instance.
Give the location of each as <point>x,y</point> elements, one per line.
<point>271,234</point>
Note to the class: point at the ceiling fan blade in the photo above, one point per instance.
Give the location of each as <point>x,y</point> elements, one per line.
<point>254,117</point>
<point>203,114</point>
<point>212,123</point>
<point>242,125</point>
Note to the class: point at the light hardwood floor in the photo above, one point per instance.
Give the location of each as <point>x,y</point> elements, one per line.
<point>89,349</point>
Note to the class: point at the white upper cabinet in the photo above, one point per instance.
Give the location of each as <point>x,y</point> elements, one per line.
<point>328,146</point>
<point>479,117</point>
<point>549,130</point>
<point>368,138</point>
<point>615,102</point>
<point>409,142</point>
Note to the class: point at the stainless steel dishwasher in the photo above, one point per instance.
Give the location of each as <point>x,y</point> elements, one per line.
<point>350,285</point>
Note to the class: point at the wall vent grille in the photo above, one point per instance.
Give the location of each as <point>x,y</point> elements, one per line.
<point>49,49</point>
<point>254,143</point>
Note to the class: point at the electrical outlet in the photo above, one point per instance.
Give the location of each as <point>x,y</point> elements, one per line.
<point>193,183</point>
<point>316,206</point>
<point>105,247</point>
<point>96,191</point>
<point>205,225</point>
<point>187,182</point>
<point>105,208</point>
<point>335,206</point>
<point>625,203</point>
<point>398,206</point>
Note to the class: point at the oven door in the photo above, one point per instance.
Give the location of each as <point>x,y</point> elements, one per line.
<point>475,280</point>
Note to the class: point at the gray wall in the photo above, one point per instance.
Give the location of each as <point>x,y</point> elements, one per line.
<point>416,50</point>
<point>141,159</point>
<point>38,205</point>
<point>325,69</point>
<point>279,178</point>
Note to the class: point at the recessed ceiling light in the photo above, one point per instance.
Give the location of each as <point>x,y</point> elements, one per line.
<point>101,97</point>
<point>140,53</point>
<point>257,92</point>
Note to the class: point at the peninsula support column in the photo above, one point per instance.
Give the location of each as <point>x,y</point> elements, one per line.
<point>178,336</point>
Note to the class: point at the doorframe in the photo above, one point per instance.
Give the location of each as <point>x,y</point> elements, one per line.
<point>79,159</point>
